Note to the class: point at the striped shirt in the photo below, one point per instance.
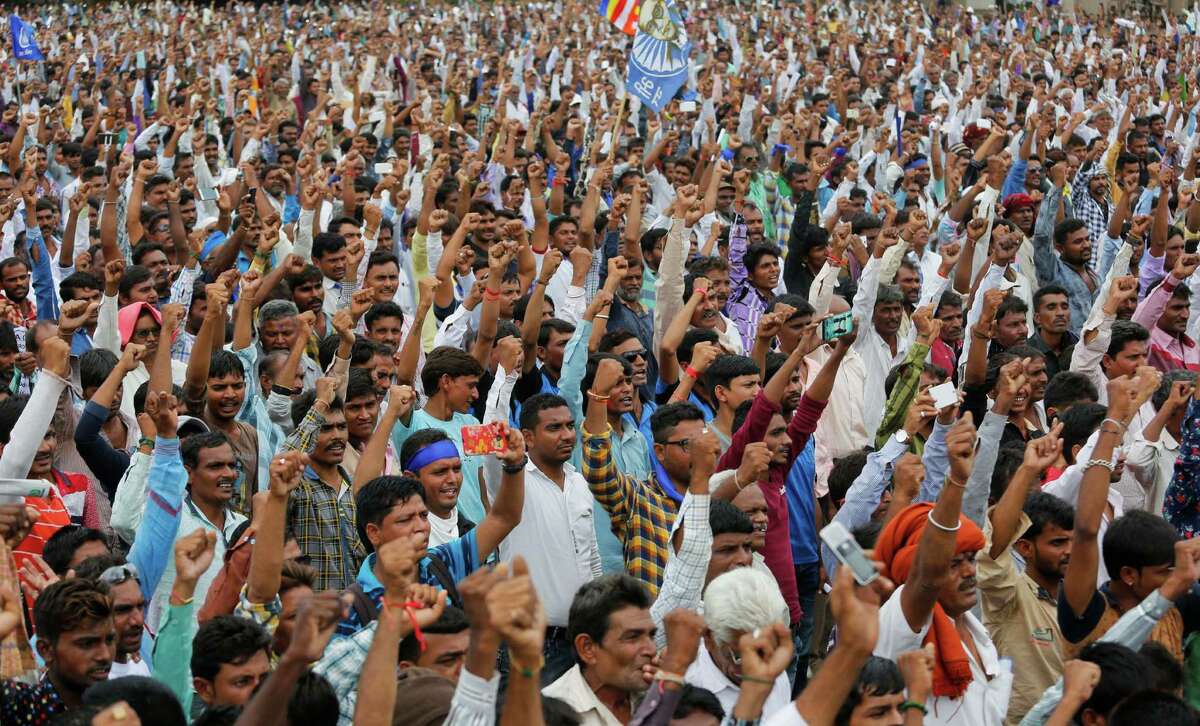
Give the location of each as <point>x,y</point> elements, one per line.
<point>642,513</point>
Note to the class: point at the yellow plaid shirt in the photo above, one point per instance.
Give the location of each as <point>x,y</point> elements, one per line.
<point>642,514</point>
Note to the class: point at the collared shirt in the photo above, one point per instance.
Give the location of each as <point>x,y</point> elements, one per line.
<point>746,305</point>
<point>641,511</point>
<point>556,536</point>
<point>191,519</point>
<point>24,705</point>
<point>986,699</point>
<point>460,556</point>
<point>1022,618</point>
<point>341,664</point>
<point>1051,268</point>
<point>1168,351</point>
<point>1054,360</point>
<point>842,430</point>
<point>683,578</point>
<point>323,521</point>
<point>573,689</point>
<point>704,673</point>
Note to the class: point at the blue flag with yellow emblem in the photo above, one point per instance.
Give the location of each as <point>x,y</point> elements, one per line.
<point>658,63</point>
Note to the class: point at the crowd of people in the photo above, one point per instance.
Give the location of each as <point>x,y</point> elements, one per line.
<point>368,364</point>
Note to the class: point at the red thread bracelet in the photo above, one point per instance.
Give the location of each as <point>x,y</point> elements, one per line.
<point>411,607</point>
<point>692,373</point>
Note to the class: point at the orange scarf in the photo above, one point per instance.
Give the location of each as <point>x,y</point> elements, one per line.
<point>897,549</point>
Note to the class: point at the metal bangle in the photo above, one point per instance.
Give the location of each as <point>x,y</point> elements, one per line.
<point>957,525</point>
<point>1101,462</point>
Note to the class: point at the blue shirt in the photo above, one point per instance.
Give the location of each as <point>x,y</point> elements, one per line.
<point>802,507</point>
<point>461,557</point>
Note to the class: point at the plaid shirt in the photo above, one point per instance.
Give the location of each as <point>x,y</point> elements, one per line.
<point>341,664</point>
<point>1093,213</point>
<point>323,522</point>
<point>642,513</point>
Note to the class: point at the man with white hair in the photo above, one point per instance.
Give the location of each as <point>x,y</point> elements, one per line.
<point>743,600</point>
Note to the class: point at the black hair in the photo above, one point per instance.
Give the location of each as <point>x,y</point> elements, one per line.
<point>1052,288</point>
<point>878,677</point>
<point>220,715</point>
<point>152,701</point>
<point>225,363</point>
<point>690,339</point>
<point>1138,539</point>
<point>68,605</point>
<point>76,281</point>
<point>189,450</point>
<point>756,252</point>
<point>327,243</point>
<point>693,699</point>
<point>10,411</point>
<point>797,302</point>
<point>313,700</point>
<point>725,518</point>
<point>1123,332</point>
<point>845,470</point>
<point>650,239</point>
<point>597,600</point>
<point>1008,460</point>
<point>60,549</point>
<point>1068,388</point>
<point>1011,304</point>
<point>302,403</point>
<point>612,338</point>
<point>1166,671</point>
<point>387,309</point>
<point>139,396</point>
<point>226,639</point>
<point>727,367</point>
<point>949,299</point>
<point>1079,422</point>
<point>359,384</point>
<point>1043,509</point>
<point>561,327</point>
<point>453,620</point>
<point>95,366</point>
<point>667,417</point>
<point>1122,673</point>
<point>378,497</point>
<point>934,370</point>
<point>1066,227</point>
<point>134,275</point>
<point>446,360</point>
<point>1156,706</point>
<point>531,408</point>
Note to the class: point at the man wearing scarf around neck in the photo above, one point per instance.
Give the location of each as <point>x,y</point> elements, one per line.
<point>929,551</point>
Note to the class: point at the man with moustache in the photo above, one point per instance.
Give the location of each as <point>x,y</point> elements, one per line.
<point>1052,318</point>
<point>321,511</point>
<point>1020,606</point>
<point>556,534</point>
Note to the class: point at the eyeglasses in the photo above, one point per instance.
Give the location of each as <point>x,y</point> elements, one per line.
<point>117,574</point>
<point>145,333</point>
<point>632,355</point>
<point>683,444</point>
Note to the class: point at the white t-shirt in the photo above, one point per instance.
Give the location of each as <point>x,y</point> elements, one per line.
<point>132,668</point>
<point>985,702</point>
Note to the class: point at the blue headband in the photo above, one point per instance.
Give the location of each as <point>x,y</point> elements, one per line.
<point>426,455</point>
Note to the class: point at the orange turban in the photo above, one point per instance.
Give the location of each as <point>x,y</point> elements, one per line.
<point>897,549</point>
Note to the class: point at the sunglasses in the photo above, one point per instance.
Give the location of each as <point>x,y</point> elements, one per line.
<point>632,355</point>
<point>118,574</point>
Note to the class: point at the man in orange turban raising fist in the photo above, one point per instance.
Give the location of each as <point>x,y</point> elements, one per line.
<point>929,551</point>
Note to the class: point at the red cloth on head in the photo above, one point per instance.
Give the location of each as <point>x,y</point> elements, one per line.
<point>1017,201</point>
<point>897,550</point>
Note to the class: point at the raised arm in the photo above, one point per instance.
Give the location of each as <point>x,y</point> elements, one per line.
<point>935,550</point>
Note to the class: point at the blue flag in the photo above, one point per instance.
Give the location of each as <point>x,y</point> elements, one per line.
<point>24,46</point>
<point>658,63</point>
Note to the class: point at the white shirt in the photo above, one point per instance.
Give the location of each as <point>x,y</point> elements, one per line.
<point>556,536</point>
<point>704,673</point>
<point>573,690</point>
<point>443,530</point>
<point>1154,462</point>
<point>133,667</point>
<point>986,699</point>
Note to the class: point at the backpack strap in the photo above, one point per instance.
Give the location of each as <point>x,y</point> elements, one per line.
<point>441,573</point>
<point>363,606</point>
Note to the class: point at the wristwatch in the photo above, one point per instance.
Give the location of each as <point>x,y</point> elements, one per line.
<point>901,437</point>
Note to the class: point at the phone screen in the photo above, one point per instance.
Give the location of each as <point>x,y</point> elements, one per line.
<point>835,327</point>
